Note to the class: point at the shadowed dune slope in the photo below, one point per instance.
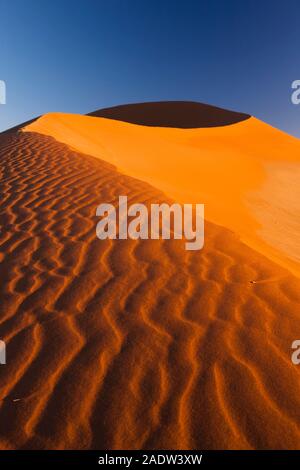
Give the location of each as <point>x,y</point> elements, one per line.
<point>180,114</point>
<point>101,351</point>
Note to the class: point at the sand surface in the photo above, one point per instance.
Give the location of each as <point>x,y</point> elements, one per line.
<point>142,344</point>
<point>228,168</point>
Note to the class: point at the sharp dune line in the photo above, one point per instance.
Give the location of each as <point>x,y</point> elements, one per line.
<point>133,344</point>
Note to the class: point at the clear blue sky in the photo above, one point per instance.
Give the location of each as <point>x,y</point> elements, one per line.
<point>78,56</point>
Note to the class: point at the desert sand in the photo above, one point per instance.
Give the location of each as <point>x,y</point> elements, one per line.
<point>126,344</point>
<point>244,173</point>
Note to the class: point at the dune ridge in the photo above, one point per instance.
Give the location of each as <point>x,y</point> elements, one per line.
<point>101,353</point>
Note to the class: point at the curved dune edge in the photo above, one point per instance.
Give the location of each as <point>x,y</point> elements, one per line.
<point>229,168</point>
<point>102,354</point>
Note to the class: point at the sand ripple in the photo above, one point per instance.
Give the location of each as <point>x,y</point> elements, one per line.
<point>126,344</point>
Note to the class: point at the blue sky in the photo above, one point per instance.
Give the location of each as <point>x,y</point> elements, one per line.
<point>78,56</point>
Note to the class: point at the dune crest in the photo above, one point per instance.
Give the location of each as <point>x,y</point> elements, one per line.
<point>228,168</point>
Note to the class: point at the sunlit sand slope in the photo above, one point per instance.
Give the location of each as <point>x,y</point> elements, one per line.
<point>247,173</point>
<point>133,344</point>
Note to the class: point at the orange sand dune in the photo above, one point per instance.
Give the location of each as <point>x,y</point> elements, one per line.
<point>124,344</point>
<point>247,174</point>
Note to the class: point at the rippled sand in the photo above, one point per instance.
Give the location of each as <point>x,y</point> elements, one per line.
<point>134,344</point>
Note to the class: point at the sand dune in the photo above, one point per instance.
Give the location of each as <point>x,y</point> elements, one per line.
<point>179,114</point>
<point>139,344</point>
<point>229,168</point>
